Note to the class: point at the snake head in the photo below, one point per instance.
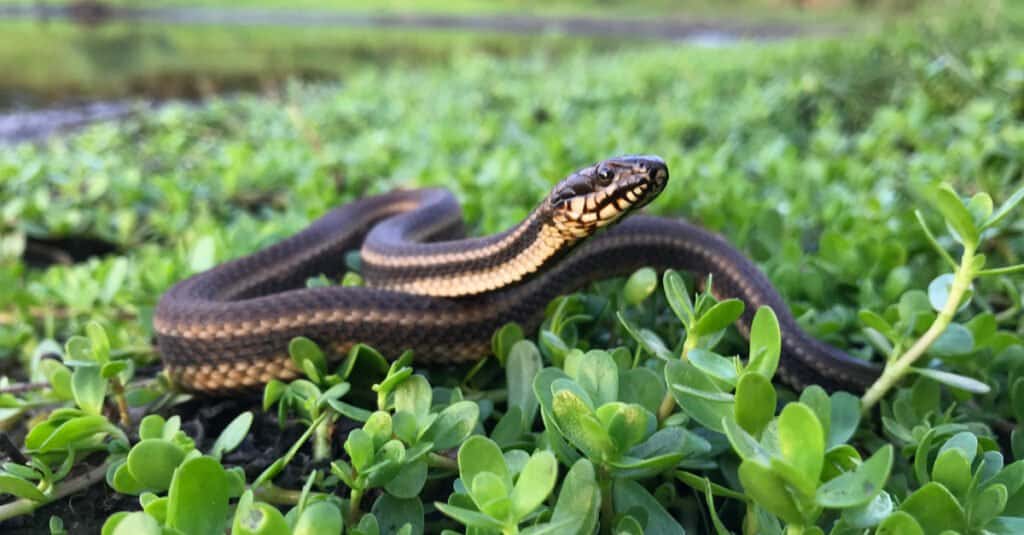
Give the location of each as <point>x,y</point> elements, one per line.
<point>598,195</point>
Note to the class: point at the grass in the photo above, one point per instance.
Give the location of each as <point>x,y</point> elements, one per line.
<point>813,157</point>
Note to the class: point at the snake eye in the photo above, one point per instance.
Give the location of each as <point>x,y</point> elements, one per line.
<point>605,176</point>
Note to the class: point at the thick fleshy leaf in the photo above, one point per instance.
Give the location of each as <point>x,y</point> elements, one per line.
<point>599,377</point>
<point>521,366</point>
<point>718,317</point>
<point>935,509</point>
<point>765,343</point>
<point>481,454</point>
<point>198,497</point>
<point>899,523</point>
<point>802,443</point>
<point>857,488</point>
<point>640,285</point>
<point>153,461</point>
<point>232,435</point>
<point>755,402</point>
<point>414,396</point>
<point>320,518</point>
<point>20,488</point>
<point>643,387</point>
<point>769,491</point>
<point>579,499</point>
<point>687,384</point>
<point>89,388</point>
<point>452,425</point>
<point>535,483</point>
<point>581,427</point>
<point>628,494</point>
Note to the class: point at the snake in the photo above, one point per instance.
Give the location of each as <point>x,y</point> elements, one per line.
<point>431,289</point>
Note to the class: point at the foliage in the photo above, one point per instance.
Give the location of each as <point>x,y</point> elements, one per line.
<point>876,182</point>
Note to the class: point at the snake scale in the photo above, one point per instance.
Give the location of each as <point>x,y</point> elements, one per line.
<point>430,290</point>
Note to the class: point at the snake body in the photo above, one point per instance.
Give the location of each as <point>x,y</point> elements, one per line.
<point>228,328</point>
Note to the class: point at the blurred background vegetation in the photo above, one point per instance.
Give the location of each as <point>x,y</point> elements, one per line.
<point>80,50</point>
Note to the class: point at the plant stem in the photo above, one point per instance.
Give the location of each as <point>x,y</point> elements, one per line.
<point>122,403</point>
<point>353,507</point>
<point>271,493</point>
<point>667,407</point>
<point>322,439</point>
<point>435,460</point>
<point>24,506</point>
<point>899,366</point>
<point>607,511</point>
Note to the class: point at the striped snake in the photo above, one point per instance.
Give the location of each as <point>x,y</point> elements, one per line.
<point>430,290</point>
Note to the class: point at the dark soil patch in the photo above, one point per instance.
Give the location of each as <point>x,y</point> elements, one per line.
<point>45,252</point>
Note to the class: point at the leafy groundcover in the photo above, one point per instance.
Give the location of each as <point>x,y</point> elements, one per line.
<point>873,179</point>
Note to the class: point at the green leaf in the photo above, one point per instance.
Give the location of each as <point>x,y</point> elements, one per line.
<point>765,343</point>
<point>70,431</point>
<point>870,514</point>
<point>469,518</point>
<point>198,497</point>
<point>89,388</point>
<point>396,515</point>
<point>20,488</point>
<point>522,365</point>
<point>956,340</point>
<point>802,444</point>
<point>989,504</point>
<point>718,317</point>
<point>504,339</point>
<point>413,395</point>
<point>320,518</point>
<point>968,384</point>
<point>359,446</point>
<point>1005,208</point>
<point>452,425</point>
<point>845,418</point>
<point>258,518</point>
<point>409,481</point>
<point>232,435</point>
<point>715,365</point>
<point>581,427</point>
<point>308,357</point>
<point>678,298</point>
<point>980,207</point>
<point>481,454</point>
<point>769,490</point>
<point>899,523</point>
<point>137,523</point>
<point>935,509</point>
<point>153,461</point>
<point>579,499</point>
<point>640,285</point>
<point>99,344</point>
<point>629,495</point>
<point>627,425</point>
<point>152,426</point>
<point>953,469</point>
<point>643,387</point>
<point>860,487</point>
<point>535,483</point>
<point>599,377</point>
<point>203,255</point>
<point>745,446</point>
<point>687,383</point>
<point>956,214</point>
<point>755,402</point>
<point>78,348</point>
